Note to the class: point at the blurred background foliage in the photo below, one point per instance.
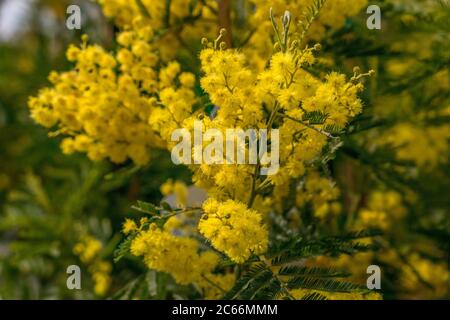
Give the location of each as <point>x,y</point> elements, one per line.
<point>48,200</point>
<point>397,149</point>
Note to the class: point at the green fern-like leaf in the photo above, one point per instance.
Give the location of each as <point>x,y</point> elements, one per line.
<point>298,248</point>
<point>356,235</point>
<point>123,249</point>
<point>315,117</point>
<point>271,290</point>
<point>310,15</point>
<point>261,283</point>
<point>324,285</point>
<point>301,250</point>
<point>312,272</point>
<point>257,271</point>
<point>333,129</point>
<point>315,296</point>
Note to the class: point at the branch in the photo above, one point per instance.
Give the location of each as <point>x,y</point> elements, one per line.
<point>225,21</point>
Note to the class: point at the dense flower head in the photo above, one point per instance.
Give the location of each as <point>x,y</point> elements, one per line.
<point>233,229</point>
<point>230,84</point>
<point>177,100</point>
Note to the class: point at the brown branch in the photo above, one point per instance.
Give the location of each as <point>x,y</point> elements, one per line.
<point>225,20</point>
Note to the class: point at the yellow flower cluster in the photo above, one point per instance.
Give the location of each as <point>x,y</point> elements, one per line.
<point>177,99</point>
<point>283,94</point>
<point>426,146</point>
<point>120,106</point>
<point>88,249</point>
<point>435,274</point>
<point>229,82</point>
<point>116,116</point>
<point>180,256</point>
<point>184,20</point>
<point>179,23</point>
<point>101,274</point>
<point>383,210</point>
<point>125,11</point>
<point>104,114</point>
<point>233,229</point>
<point>298,93</point>
<point>414,137</point>
<point>322,193</point>
<point>230,86</point>
<point>332,15</point>
<point>129,226</point>
<point>280,96</point>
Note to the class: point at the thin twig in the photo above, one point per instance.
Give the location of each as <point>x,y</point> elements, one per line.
<point>253,192</point>
<point>213,284</point>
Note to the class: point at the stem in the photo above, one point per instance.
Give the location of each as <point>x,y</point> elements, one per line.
<point>167,15</point>
<point>275,27</point>
<point>253,192</point>
<point>273,115</point>
<point>143,9</point>
<point>212,9</point>
<point>134,189</point>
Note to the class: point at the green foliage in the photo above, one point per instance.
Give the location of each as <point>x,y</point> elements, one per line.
<point>310,15</point>
<point>283,269</point>
<point>315,117</point>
